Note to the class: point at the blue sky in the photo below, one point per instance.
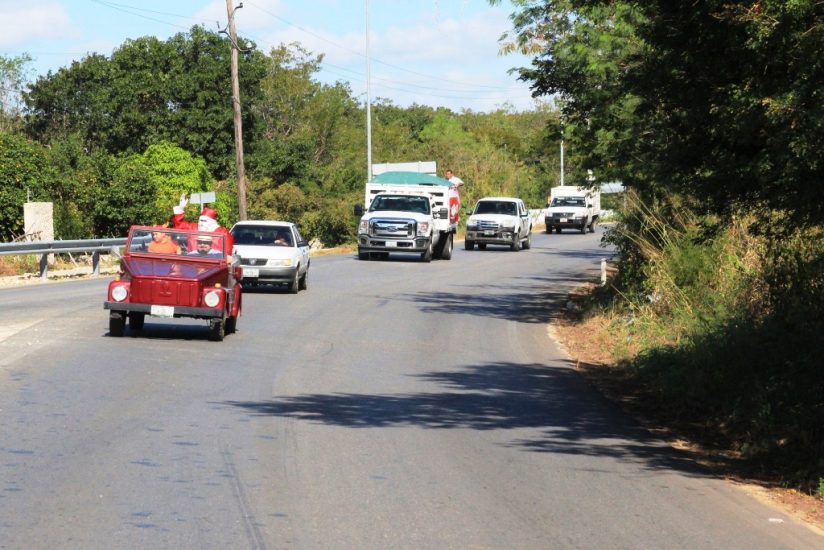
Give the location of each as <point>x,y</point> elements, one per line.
<point>430,52</point>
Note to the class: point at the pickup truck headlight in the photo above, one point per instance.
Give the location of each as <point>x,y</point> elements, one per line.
<point>472,225</point>
<point>279,263</point>
<point>423,229</point>
<point>508,226</point>
<point>363,226</point>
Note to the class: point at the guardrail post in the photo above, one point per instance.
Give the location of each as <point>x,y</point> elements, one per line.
<point>44,266</point>
<point>96,262</point>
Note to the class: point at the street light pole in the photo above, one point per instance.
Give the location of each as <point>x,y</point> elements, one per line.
<point>368,104</point>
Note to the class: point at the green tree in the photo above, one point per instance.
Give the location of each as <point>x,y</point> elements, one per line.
<point>718,100</point>
<point>177,90</point>
<point>25,176</point>
<point>13,78</point>
<point>128,199</point>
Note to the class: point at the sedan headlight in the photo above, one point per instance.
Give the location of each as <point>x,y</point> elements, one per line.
<point>212,298</point>
<point>423,229</point>
<point>287,262</point>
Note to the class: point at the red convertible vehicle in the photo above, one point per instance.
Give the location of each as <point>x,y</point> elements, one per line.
<point>169,273</point>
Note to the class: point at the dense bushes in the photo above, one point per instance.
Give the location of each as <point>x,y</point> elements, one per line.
<point>723,326</point>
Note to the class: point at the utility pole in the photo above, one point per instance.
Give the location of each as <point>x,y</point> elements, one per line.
<point>368,104</point>
<point>241,170</point>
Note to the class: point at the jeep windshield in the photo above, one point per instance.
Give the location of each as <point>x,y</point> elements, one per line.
<point>419,205</point>
<point>496,207</point>
<point>160,241</point>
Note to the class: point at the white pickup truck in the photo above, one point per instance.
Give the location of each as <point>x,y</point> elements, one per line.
<point>408,212</point>
<point>572,207</point>
<point>499,220</point>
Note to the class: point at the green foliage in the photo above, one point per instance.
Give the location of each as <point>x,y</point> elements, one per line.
<point>128,199</point>
<point>332,223</point>
<point>13,76</point>
<point>25,175</point>
<point>149,91</point>
<point>714,100</point>
<point>172,171</point>
<point>726,326</point>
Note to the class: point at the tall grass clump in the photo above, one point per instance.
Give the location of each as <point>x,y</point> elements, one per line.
<point>726,320</point>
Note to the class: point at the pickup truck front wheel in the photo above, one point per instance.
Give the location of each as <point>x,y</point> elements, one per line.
<point>427,256</point>
<point>363,255</point>
<point>516,242</point>
<point>446,253</point>
<point>469,245</point>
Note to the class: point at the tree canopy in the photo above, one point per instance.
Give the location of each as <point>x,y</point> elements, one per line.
<point>716,99</point>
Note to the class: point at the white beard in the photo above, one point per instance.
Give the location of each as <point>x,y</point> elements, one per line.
<point>205,223</point>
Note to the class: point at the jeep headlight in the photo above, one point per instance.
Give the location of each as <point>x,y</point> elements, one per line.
<point>287,262</point>
<point>363,227</point>
<point>423,229</point>
<point>119,293</point>
<point>212,298</point>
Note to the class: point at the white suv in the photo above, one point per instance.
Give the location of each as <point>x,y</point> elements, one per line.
<point>499,220</point>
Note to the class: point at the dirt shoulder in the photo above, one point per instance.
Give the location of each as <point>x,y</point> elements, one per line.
<point>587,342</point>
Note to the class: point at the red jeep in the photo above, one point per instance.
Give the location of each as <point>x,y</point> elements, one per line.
<point>175,273</point>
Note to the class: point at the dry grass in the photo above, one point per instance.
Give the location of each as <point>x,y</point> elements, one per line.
<point>599,352</point>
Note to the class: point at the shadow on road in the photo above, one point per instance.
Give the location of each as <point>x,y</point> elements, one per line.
<point>570,417</point>
<point>527,300</point>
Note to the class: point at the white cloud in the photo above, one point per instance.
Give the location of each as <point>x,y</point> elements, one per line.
<point>33,20</point>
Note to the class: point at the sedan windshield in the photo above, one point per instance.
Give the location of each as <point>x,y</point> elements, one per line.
<point>263,235</point>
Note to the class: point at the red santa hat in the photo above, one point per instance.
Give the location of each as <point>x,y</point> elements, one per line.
<point>209,212</point>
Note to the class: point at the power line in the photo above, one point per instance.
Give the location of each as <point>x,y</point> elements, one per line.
<point>360,53</point>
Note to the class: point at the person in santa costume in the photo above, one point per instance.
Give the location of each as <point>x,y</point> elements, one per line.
<point>206,222</point>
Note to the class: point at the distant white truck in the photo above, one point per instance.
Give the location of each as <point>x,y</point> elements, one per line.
<point>500,221</point>
<point>409,212</point>
<point>572,207</point>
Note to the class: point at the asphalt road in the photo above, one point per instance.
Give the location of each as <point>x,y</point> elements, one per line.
<point>394,404</point>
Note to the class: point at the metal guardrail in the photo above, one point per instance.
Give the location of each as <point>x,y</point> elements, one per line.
<point>44,248</point>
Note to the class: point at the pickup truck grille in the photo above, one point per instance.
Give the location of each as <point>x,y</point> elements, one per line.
<point>485,225</point>
<point>392,229</point>
<point>563,214</point>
